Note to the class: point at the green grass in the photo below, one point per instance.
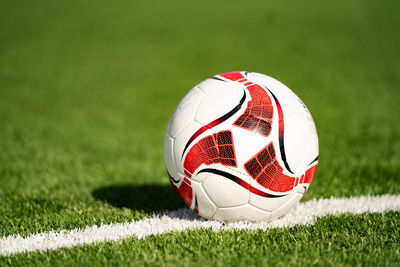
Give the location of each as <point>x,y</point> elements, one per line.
<point>348,240</point>
<point>87,88</point>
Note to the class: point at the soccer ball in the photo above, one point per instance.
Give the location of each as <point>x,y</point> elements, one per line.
<point>241,146</point>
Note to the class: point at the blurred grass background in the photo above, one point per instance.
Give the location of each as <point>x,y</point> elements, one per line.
<point>87,88</point>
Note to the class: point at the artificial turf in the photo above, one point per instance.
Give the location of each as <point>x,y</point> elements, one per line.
<point>348,240</point>
<point>86,91</point>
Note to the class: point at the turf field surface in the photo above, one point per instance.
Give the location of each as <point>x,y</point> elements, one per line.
<point>86,91</point>
<point>184,219</point>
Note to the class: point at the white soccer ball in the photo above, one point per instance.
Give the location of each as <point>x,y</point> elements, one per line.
<point>241,146</point>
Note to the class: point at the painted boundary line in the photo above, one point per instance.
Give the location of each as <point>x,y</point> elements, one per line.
<point>183,219</point>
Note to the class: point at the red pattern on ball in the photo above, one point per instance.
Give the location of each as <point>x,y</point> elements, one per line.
<point>215,148</point>
<point>266,170</point>
<point>258,114</point>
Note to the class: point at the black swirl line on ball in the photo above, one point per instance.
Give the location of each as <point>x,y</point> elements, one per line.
<point>240,182</point>
<point>215,123</point>
<point>219,79</point>
<point>172,178</point>
<point>313,161</point>
<point>281,132</point>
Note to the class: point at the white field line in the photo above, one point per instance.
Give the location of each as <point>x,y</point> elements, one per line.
<point>183,219</point>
